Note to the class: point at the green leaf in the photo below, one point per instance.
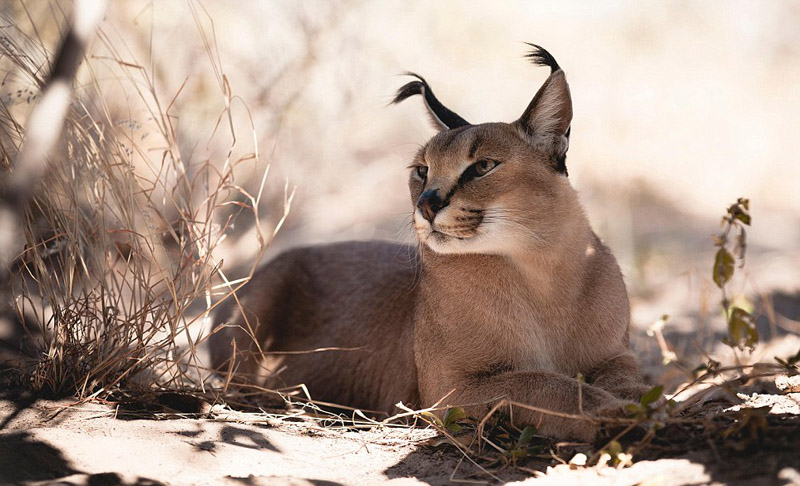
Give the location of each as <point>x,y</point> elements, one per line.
<point>519,454</point>
<point>635,410</point>
<point>735,331</point>
<point>742,332</point>
<point>723,267</point>
<point>633,407</point>
<point>526,436</point>
<point>614,448</point>
<point>454,415</point>
<point>433,418</point>
<point>751,338</point>
<point>743,217</point>
<point>740,211</point>
<point>651,396</point>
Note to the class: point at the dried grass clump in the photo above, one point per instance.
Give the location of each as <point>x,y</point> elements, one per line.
<point>118,268</point>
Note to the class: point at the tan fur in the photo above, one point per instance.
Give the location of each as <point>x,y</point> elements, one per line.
<point>510,294</point>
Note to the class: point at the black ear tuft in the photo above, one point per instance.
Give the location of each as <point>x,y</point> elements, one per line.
<point>441,116</point>
<point>411,89</point>
<point>546,122</point>
<point>541,57</point>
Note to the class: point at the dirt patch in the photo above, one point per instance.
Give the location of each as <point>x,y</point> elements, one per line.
<point>57,442</point>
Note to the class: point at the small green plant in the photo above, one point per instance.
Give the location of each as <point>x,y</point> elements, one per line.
<point>647,405</point>
<point>452,418</point>
<point>519,449</point>
<point>742,333</point>
<point>614,453</point>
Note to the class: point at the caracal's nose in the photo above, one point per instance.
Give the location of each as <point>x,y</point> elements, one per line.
<point>429,203</point>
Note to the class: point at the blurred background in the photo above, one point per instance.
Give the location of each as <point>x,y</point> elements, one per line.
<point>679,108</point>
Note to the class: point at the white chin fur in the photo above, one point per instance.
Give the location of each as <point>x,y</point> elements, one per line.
<point>451,245</point>
<point>448,245</point>
<point>492,239</point>
<point>444,244</point>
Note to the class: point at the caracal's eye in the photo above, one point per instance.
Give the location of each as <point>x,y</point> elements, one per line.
<point>421,171</point>
<point>483,167</point>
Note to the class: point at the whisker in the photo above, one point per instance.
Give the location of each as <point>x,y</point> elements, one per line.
<point>515,219</point>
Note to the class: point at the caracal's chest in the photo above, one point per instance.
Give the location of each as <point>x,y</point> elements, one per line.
<point>505,325</point>
<point>487,312</point>
<point>533,338</point>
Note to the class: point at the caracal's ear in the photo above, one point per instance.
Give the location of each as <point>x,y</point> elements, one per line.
<point>546,121</point>
<point>441,117</point>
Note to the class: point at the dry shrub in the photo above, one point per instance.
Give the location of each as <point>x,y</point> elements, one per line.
<point>118,271</point>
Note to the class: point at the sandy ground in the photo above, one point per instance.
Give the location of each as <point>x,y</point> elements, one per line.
<point>47,442</point>
<point>90,444</point>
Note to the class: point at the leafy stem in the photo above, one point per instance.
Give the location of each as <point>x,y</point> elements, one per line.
<point>742,333</point>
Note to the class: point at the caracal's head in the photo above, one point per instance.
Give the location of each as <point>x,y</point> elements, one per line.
<point>495,188</point>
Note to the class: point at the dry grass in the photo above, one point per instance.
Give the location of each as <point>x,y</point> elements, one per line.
<point>118,271</point>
